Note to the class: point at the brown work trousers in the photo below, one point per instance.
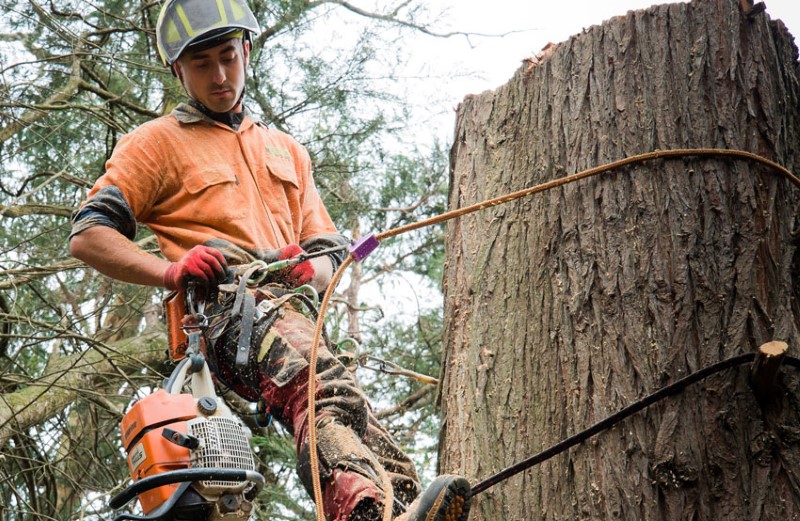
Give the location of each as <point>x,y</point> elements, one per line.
<point>351,444</point>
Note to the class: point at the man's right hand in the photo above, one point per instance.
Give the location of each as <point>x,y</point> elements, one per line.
<point>202,264</point>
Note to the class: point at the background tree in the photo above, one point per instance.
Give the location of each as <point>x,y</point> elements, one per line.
<point>76,347</point>
<point>563,308</point>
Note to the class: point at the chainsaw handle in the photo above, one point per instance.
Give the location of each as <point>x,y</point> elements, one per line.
<point>178,476</point>
<point>162,510</point>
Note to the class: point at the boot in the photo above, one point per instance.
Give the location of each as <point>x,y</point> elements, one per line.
<point>446,499</point>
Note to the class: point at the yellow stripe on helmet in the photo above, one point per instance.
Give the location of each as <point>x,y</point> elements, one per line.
<point>172,32</point>
<point>186,24</point>
<point>237,11</point>
<point>222,14</point>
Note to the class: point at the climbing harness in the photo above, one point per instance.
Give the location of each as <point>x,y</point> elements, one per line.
<point>363,247</point>
<point>243,282</point>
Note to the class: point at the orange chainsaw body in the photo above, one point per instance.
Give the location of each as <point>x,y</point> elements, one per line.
<point>148,455</point>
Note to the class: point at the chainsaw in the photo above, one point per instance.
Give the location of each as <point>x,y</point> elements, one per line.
<point>188,456</point>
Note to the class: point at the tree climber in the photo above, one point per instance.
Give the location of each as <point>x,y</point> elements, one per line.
<point>219,189</point>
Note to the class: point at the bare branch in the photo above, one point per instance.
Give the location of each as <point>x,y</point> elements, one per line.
<point>35,209</point>
<point>5,326</point>
<point>13,37</point>
<point>285,21</point>
<point>425,392</point>
<point>351,306</point>
<point>26,275</point>
<point>387,268</point>
<point>392,17</point>
<point>117,99</point>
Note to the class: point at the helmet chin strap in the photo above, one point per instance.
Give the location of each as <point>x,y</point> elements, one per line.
<point>240,101</point>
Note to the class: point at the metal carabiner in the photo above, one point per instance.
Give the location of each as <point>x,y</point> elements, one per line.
<point>258,275</point>
<point>310,292</point>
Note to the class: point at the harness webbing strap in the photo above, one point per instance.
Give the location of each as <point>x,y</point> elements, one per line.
<point>246,332</point>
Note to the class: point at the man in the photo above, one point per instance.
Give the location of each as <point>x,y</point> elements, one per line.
<point>218,189</point>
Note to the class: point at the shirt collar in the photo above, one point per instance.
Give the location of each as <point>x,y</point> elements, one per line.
<point>188,115</point>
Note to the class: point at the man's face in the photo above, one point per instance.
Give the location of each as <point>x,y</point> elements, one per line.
<point>215,76</point>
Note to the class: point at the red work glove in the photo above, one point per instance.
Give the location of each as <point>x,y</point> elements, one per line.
<point>298,274</point>
<point>203,264</point>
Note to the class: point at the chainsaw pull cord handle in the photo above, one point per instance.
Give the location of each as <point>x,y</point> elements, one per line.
<point>202,383</point>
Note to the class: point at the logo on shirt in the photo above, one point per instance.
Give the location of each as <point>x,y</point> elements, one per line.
<point>278,152</point>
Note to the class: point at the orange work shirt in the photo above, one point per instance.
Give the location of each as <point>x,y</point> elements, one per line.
<point>191,179</point>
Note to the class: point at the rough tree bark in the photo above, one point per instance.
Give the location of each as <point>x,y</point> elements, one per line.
<point>565,307</point>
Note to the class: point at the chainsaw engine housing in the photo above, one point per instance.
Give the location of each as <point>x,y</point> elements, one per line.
<point>192,450</point>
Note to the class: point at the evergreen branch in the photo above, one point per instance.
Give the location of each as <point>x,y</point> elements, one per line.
<point>51,394</point>
<point>117,99</point>
<point>56,100</point>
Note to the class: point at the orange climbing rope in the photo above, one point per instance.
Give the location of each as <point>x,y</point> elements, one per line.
<point>312,389</point>
<point>658,154</point>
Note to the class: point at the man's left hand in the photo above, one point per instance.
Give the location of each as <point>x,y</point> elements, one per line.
<point>299,274</point>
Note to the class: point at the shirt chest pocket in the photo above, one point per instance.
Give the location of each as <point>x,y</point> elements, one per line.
<point>279,180</point>
<point>215,192</point>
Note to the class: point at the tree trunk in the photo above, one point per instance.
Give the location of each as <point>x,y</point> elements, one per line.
<point>564,307</point>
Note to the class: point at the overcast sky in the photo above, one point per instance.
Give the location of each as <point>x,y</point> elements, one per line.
<point>538,23</point>
<point>444,71</point>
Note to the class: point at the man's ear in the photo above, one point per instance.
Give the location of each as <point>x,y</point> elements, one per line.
<point>177,70</point>
<point>246,50</point>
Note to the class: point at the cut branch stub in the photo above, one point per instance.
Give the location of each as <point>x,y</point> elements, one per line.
<point>764,372</point>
